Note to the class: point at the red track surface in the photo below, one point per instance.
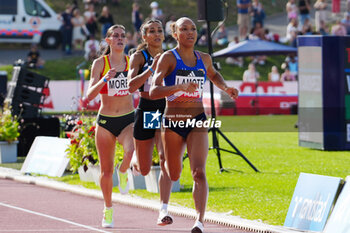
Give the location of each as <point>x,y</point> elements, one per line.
<point>30,208</point>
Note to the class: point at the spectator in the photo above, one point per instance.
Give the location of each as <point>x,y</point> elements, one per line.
<point>323,28</point>
<point>258,13</point>
<point>234,42</point>
<point>130,42</point>
<point>292,10</point>
<point>91,48</point>
<point>257,32</point>
<point>33,58</point>
<point>157,13</point>
<point>222,37</point>
<point>338,29</point>
<point>348,5</point>
<point>269,36</point>
<point>251,75</point>
<point>274,75</point>
<point>320,13</point>
<point>136,17</point>
<point>292,64</point>
<point>243,7</point>
<point>307,28</point>
<point>346,22</point>
<point>292,30</point>
<point>106,19</point>
<point>169,39</point>
<point>203,35</point>
<point>304,11</point>
<point>74,6</point>
<point>67,30</point>
<point>234,60</point>
<point>287,75</point>
<point>79,29</point>
<point>90,19</point>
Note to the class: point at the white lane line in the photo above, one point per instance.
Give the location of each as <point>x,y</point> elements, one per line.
<point>52,217</point>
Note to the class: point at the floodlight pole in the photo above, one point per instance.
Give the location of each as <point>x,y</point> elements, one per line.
<point>215,130</point>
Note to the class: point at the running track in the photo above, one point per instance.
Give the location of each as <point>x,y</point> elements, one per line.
<point>30,208</point>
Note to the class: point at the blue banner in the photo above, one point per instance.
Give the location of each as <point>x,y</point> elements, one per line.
<point>312,200</point>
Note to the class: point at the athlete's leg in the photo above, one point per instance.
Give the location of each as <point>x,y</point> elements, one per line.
<point>174,147</point>
<point>164,180</point>
<point>164,183</point>
<point>197,148</point>
<point>105,145</point>
<point>125,138</point>
<point>144,150</point>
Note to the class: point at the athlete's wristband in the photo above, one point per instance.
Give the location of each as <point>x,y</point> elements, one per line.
<point>105,80</point>
<point>150,68</point>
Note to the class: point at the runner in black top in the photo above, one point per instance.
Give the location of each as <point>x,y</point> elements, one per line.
<point>142,66</point>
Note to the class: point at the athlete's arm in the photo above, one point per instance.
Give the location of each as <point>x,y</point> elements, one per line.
<point>96,84</point>
<point>217,78</point>
<point>135,81</point>
<point>165,66</point>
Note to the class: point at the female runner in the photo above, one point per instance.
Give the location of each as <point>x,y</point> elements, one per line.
<point>184,72</point>
<point>142,66</point>
<point>115,116</point>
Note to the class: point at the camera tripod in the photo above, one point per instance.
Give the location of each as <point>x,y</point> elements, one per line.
<point>215,131</point>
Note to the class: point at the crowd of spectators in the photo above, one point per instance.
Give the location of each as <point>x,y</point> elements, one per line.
<point>298,22</point>
<point>80,31</point>
<point>84,29</point>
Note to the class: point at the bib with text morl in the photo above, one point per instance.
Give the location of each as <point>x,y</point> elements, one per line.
<point>185,76</point>
<point>118,86</point>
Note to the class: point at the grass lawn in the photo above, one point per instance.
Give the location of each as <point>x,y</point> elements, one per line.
<point>66,70</point>
<point>271,144</point>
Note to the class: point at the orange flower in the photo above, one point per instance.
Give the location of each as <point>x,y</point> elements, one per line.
<point>91,131</point>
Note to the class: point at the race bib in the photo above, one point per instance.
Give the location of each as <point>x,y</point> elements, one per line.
<point>118,86</point>
<point>185,76</point>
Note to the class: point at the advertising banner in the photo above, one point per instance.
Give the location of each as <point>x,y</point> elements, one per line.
<point>312,200</point>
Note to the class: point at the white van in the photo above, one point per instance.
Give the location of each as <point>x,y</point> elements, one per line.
<point>29,21</point>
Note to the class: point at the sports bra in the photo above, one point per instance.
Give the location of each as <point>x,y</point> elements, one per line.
<point>117,86</point>
<point>184,74</point>
<point>148,63</point>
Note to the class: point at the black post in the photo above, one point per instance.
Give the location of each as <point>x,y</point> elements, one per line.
<point>213,113</point>
<point>214,130</point>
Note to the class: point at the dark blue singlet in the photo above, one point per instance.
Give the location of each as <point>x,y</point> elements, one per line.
<point>183,73</point>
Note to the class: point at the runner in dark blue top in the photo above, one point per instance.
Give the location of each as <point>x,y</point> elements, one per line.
<point>184,72</point>
<point>142,65</point>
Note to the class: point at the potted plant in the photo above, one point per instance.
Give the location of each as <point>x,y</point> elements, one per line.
<point>82,152</point>
<point>9,133</point>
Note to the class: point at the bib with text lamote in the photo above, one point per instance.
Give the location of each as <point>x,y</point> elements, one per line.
<point>185,76</point>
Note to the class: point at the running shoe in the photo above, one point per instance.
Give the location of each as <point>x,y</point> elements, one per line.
<point>107,220</point>
<point>164,218</point>
<point>123,182</point>
<point>197,227</point>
